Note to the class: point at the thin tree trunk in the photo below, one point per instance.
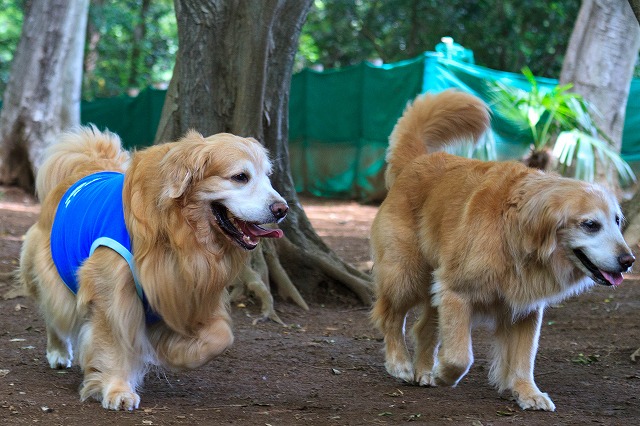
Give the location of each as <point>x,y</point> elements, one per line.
<point>233,74</point>
<point>139,32</point>
<point>91,57</point>
<point>42,96</point>
<point>72,73</point>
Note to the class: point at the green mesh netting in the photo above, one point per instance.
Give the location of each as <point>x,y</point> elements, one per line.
<point>340,122</point>
<point>135,120</point>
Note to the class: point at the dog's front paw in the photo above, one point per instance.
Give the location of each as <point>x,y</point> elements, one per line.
<point>59,359</point>
<point>119,395</point>
<point>534,401</point>
<point>402,370</point>
<point>121,400</point>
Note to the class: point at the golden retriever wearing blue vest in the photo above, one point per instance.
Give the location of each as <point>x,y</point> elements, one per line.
<point>192,211</point>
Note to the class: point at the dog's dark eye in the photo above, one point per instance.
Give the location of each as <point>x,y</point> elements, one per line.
<point>241,178</point>
<point>591,225</point>
<point>617,220</point>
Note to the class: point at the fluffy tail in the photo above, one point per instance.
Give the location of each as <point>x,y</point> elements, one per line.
<point>432,122</point>
<point>84,149</point>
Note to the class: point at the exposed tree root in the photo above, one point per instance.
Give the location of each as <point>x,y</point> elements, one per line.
<point>256,278</point>
<point>332,267</point>
<point>253,282</point>
<point>15,288</point>
<point>7,276</point>
<point>286,289</point>
<point>265,271</point>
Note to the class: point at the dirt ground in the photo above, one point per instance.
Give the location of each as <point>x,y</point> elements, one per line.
<point>326,366</point>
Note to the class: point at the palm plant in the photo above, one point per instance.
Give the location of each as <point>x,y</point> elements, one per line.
<point>560,122</point>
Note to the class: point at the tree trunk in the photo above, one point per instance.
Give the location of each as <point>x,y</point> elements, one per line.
<point>599,62</point>
<point>139,32</point>
<point>233,74</point>
<point>43,93</point>
<point>92,55</point>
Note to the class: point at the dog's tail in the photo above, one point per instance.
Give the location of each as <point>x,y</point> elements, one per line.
<point>432,122</point>
<point>85,147</point>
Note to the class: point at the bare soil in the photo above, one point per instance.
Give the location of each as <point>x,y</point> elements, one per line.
<point>326,366</point>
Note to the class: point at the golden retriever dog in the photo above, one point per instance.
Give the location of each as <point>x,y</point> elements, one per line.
<point>188,213</point>
<point>466,241</point>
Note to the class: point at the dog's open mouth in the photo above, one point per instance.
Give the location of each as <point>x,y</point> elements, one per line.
<point>246,234</point>
<point>598,275</point>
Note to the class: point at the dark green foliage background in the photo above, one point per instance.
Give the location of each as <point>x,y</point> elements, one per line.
<point>503,34</point>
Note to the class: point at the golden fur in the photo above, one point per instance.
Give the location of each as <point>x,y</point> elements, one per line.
<point>184,260</point>
<point>464,240</point>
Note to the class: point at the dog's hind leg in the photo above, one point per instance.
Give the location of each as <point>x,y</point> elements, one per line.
<point>514,356</point>
<point>397,359</point>
<point>59,311</point>
<point>397,292</point>
<point>455,355</point>
<point>59,351</point>
<point>56,303</point>
<point>425,332</point>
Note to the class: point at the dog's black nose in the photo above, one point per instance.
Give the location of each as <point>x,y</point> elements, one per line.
<point>279,210</point>
<point>626,260</point>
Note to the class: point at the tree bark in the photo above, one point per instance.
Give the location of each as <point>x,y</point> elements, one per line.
<point>233,74</point>
<point>599,62</point>
<point>43,93</point>
<point>92,56</point>
<point>139,32</point>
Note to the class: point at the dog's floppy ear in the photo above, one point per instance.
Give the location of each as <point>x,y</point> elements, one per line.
<point>177,182</point>
<point>540,222</point>
<point>182,164</point>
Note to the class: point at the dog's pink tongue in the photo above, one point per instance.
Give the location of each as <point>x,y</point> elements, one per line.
<point>613,278</point>
<point>259,231</point>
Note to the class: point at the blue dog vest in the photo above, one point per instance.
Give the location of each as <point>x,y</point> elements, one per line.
<point>91,215</point>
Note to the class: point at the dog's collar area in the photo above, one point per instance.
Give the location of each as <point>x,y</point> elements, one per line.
<point>599,276</point>
<point>246,234</point>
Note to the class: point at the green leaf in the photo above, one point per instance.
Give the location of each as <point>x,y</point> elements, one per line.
<point>586,359</point>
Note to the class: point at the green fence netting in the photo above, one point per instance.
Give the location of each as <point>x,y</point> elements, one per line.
<point>339,125</point>
<point>631,132</point>
<point>134,119</point>
<point>340,120</point>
